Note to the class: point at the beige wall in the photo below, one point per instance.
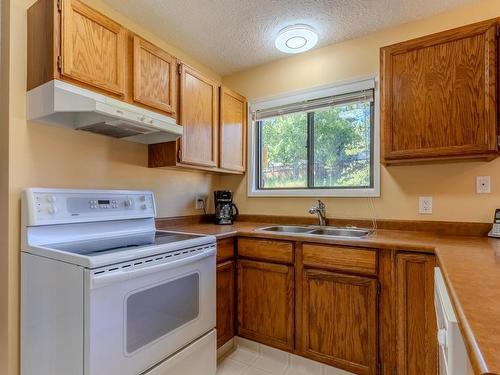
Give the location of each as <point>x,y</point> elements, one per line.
<point>451,185</point>
<point>4,185</point>
<point>46,156</point>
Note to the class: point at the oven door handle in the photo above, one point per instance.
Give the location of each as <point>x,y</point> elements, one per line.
<point>98,281</point>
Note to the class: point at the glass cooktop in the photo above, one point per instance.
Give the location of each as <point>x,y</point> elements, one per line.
<point>116,244</point>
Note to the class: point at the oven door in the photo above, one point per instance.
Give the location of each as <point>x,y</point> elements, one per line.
<point>139,313</point>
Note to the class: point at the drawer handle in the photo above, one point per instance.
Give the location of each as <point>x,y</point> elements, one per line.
<point>441,337</point>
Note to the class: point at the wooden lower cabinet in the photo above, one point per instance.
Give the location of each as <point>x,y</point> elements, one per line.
<point>416,321</point>
<point>266,303</point>
<point>225,302</point>
<point>339,320</point>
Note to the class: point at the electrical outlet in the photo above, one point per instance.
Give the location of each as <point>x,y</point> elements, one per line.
<point>483,184</point>
<point>200,202</point>
<point>425,205</point>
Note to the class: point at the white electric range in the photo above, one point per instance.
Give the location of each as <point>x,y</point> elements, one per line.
<point>105,293</point>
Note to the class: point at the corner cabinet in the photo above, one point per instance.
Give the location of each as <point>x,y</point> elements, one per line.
<point>215,128</point>
<point>198,116</point>
<point>233,130</point>
<point>154,76</point>
<point>439,96</point>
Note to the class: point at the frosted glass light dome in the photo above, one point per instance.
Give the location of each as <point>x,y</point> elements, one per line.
<point>296,39</point>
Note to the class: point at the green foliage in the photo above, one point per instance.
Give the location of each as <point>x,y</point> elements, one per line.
<point>341,148</point>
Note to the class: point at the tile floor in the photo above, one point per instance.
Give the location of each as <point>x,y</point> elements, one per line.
<point>251,358</point>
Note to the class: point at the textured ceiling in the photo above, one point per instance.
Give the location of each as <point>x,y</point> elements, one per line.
<point>232,35</point>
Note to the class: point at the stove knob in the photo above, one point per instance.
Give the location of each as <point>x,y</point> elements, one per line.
<point>52,209</point>
<point>51,198</point>
<point>128,203</point>
<point>144,206</point>
<point>143,198</point>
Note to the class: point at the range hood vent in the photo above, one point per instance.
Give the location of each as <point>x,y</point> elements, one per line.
<point>60,103</point>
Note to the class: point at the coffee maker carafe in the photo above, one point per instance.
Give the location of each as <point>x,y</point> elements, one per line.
<point>225,209</point>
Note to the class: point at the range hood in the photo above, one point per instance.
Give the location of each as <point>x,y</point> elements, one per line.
<point>60,103</point>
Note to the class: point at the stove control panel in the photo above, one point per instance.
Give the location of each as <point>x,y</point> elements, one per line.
<point>49,206</point>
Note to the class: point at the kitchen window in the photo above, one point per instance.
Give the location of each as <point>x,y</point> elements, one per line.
<point>322,142</point>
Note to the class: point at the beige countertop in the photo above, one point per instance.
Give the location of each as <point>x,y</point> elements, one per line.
<point>470,265</point>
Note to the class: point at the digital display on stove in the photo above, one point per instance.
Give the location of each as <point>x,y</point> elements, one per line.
<point>103,201</point>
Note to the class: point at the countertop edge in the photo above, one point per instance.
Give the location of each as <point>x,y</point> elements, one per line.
<point>476,357</point>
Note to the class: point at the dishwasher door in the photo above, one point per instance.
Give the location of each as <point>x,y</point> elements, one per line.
<point>453,358</point>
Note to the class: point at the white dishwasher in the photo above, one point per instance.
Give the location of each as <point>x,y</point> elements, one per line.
<point>453,359</point>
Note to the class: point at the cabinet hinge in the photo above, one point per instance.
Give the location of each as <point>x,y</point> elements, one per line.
<point>379,368</point>
<point>59,62</point>
<point>179,69</point>
<point>59,5</point>
<point>379,288</point>
<point>179,154</point>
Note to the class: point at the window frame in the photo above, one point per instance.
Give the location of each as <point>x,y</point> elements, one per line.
<point>254,159</point>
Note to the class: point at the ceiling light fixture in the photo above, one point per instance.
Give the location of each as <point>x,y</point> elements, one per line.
<point>296,39</point>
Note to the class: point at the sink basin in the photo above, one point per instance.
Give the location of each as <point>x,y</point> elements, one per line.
<point>319,231</point>
<point>288,229</point>
<point>341,232</point>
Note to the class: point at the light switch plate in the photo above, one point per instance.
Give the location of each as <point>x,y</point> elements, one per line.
<point>483,184</point>
<point>425,205</point>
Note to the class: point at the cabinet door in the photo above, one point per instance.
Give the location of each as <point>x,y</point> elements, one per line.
<point>339,320</point>
<point>225,302</point>
<point>154,76</point>
<point>198,116</point>
<point>233,128</point>
<point>266,303</point>
<point>416,321</point>
<point>439,95</point>
<point>93,48</point>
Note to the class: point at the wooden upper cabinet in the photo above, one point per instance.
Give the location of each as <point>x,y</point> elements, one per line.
<point>93,48</point>
<point>438,96</point>
<point>233,128</point>
<point>416,319</point>
<point>154,76</point>
<point>339,320</point>
<point>266,303</point>
<point>198,115</point>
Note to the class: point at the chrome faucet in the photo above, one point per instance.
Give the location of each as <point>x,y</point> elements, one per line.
<point>320,210</point>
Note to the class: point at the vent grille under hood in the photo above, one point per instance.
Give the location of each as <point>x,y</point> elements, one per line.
<point>115,129</point>
<point>60,103</point>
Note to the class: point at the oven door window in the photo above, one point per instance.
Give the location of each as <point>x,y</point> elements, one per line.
<point>154,312</point>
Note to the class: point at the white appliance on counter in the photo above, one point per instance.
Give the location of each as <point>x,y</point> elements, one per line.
<point>61,103</point>
<point>105,293</point>
<point>453,359</point>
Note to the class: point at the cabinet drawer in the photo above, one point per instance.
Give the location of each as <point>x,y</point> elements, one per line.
<point>225,249</point>
<point>270,250</point>
<point>340,258</point>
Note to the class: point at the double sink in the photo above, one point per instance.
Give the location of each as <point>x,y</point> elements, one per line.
<point>333,232</point>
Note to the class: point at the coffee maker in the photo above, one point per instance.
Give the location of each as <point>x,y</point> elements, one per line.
<point>225,209</point>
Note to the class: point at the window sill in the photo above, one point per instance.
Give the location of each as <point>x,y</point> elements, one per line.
<point>297,193</point>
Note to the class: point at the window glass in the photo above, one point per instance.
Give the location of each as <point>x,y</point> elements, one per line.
<point>283,152</point>
<point>324,148</point>
<point>342,146</point>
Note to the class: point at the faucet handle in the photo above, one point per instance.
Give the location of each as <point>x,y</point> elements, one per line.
<point>321,205</point>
